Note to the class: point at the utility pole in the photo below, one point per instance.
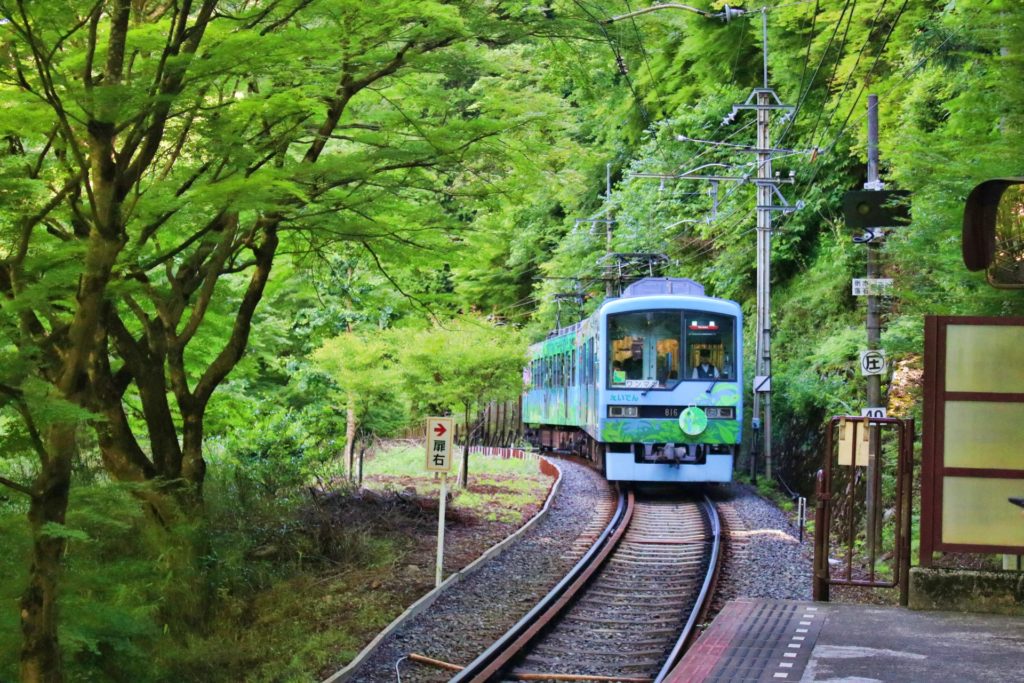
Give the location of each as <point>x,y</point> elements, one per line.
<point>764,101</point>
<point>609,291</point>
<point>874,334</point>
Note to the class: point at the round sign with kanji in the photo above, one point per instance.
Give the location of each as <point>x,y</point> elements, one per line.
<point>872,362</point>
<point>693,421</point>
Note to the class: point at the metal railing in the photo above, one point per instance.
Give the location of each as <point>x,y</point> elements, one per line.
<point>863,508</point>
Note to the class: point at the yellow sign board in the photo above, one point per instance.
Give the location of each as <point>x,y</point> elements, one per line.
<point>854,443</point>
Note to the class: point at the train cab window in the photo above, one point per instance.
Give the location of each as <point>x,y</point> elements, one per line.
<point>710,344</point>
<point>644,349</point>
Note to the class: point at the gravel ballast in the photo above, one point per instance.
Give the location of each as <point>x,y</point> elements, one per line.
<point>763,559</point>
<point>475,612</point>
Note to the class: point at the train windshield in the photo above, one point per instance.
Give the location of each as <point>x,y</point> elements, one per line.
<point>658,349</point>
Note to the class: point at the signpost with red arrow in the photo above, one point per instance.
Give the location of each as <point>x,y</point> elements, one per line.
<point>439,459</point>
<point>439,444</point>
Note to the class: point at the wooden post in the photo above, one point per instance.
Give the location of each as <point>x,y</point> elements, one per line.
<point>488,423</point>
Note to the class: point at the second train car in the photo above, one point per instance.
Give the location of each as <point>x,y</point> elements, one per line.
<point>649,387</point>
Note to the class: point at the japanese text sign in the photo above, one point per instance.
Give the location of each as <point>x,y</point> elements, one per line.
<point>439,444</point>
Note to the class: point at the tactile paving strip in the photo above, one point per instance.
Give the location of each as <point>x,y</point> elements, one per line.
<point>754,641</point>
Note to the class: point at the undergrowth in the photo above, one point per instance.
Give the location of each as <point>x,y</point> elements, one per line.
<point>268,581</point>
<point>235,595</point>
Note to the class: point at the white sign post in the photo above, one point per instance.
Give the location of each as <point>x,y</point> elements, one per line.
<point>439,459</point>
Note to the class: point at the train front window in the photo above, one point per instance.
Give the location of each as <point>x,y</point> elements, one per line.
<point>644,349</point>
<point>710,344</point>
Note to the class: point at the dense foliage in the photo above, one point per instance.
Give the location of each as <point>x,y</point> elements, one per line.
<point>244,235</point>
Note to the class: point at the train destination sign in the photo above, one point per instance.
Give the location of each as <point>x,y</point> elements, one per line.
<point>439,444</point>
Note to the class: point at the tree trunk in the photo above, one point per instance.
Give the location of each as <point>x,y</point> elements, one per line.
<point>350,433</point>
<point>193,465</point>
<point>502,418</point>
<point>40,649</point>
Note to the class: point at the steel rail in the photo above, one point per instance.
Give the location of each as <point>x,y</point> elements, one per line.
<point>703,601</point>
<point>506,648</point>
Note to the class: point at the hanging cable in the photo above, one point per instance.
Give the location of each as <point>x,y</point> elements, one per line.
<point>853,69</point>
<point>620,61</point>
<point>852,6</point>
<point>804,90</point>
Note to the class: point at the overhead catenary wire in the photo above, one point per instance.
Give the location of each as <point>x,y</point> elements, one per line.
<point>904,73</point>
<point>623,70</point>
<point>856,63</point>
<point>850,118</point>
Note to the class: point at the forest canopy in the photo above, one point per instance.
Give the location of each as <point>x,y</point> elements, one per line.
<point>231,233</point>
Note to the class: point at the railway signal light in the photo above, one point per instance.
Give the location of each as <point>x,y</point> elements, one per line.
<point>876,208</point>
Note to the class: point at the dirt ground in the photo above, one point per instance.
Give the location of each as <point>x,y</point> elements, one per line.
<point>469,532</point>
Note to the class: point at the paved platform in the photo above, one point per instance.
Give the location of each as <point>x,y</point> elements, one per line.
<point>777,640</point>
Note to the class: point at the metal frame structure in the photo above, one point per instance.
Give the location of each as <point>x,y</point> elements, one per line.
<point>836,494</point>
<point>933,467</point>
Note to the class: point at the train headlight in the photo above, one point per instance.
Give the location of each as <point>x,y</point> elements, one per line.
<point>623,411</point>
<point>720,412</point>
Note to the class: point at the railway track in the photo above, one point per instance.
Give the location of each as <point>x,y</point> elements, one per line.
<point>627,609</point>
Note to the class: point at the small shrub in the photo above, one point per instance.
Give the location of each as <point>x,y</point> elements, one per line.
<point>272,454</point>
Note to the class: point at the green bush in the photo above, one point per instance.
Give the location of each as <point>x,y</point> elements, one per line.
<point>272,454</point>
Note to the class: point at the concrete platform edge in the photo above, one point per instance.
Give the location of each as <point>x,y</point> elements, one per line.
<point>959,590</point>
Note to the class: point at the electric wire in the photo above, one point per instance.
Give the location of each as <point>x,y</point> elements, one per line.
<point>867,78</point>
<point>852,6</point>
<point>804,90</point>
<point>828,149</point>
<point>853,69</point>
<point>643,51</point>
<point>691,258</point>
<point>619,60</point>
<point>897,81</point>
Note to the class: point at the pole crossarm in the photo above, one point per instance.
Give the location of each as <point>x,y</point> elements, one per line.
<point>785,206</point>
<point>760,99</point>
<point>716,178</point>
<point>743,148</point>
<point>683,176</point>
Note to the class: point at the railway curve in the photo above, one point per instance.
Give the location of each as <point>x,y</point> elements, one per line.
<point>628,608</point>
